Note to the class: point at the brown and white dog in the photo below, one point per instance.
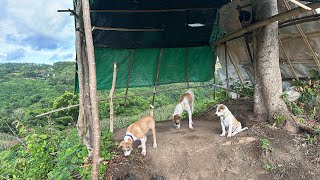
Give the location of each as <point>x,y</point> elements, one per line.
<point>138,131</point>
<point>228,121</point>
<point>185,103</point>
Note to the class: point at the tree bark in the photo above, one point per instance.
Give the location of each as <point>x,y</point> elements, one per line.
<point>268,82</point>
<point>96,131</point>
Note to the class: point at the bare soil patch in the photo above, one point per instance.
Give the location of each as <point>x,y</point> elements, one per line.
<point>202,154</point>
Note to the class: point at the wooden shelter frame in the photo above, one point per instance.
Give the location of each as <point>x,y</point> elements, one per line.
<point>88,120</point>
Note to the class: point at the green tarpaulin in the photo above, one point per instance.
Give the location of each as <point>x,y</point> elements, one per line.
<point>173,66</point>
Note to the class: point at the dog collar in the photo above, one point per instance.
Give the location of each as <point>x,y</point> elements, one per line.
<point>130,136</point>
<point>227,114</point>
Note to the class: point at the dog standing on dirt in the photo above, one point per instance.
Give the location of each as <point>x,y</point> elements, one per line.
<point>138,131</point>
<point>185,103</point>
<point>228,121</point>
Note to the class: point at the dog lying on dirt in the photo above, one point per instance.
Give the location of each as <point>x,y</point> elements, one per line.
<point>185,103</point>
<point>138,131</point>
<point>228,121</point>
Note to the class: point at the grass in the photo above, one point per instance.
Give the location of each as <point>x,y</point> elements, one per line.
<point>6,141</point>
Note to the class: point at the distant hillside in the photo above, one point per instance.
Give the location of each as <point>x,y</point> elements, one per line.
<point>26,87</point>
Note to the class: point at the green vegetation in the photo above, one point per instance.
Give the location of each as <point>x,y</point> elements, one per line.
<point>48,147</point>
<point>265,145</point>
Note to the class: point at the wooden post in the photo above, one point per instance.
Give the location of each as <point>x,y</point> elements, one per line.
<point>81,125</point>
<point>129,74</point>
<point>215,48</point>
<point>111,95</point>
<point>227,72</point>
<point>93,90</point>
<point>157,76</point>
<point>187,65</point>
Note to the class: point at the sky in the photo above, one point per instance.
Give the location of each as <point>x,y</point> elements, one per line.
<point>32,31</point>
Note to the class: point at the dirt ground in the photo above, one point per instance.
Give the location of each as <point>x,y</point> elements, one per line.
<point>202,154</point>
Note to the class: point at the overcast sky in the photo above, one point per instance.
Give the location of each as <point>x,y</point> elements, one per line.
<point>33,31</point>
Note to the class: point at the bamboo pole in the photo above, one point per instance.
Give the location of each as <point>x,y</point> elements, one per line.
<point>157,76</point>
<point>187,65</point>
<point>129,74</point>
<point>111,95</point>
<point>227,72</point>
<point>265,22</point>
<point>305,39</point>
<point>150,10</point>
<point>288,59</point>
<point>93,90</point>
<point>215,48</point>
<point>235,67</point>
<point>126,29</point>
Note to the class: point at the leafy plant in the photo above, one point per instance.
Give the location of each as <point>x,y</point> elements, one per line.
<point>269,167</point>
<point>265,145</point>
<point>278,119</point>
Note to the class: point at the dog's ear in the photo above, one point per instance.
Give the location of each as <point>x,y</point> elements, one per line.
<point>121,144</point>
<point>170,117</point>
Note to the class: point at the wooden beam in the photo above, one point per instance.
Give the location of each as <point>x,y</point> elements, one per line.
<point>125,29</point>
<point>157,76</point>
<point>114,79</point>
<point>265,22</point>
<point>73,12</point>
<point>93,90</point>
<point>288,59</point>
<point>150,10</point>
<point>299,20</point>
<point>129,75</point>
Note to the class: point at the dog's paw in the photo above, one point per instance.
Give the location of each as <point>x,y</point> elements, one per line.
<point>190,127</point>
<point>222,135</point>
<point>155,146</point>
<point>229,135</point>
<point>140,146</point>
<point>144,153</point>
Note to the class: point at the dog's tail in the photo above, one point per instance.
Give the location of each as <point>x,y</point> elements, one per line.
<point>243,129</point>
<point>151,110</point>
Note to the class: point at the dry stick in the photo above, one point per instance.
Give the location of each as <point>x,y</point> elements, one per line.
<point>129,74</point>
<point>93,90</point>
<point>16,136</point>
<point>305,39</point>
<point>288,59</point>
<point>265,22</point>
<point>157,77</point>
<point>111,95</point>
<point>56,110</point>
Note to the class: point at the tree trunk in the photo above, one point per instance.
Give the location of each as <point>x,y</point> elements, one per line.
<point>96,131</point>
<point>268,82</point>
<point>81,125</point>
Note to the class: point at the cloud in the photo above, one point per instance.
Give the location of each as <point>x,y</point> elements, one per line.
<point>3,9</point>
<point>15,55</point>
<point>57,57</point>
<point>40,41</point>
<point>36,30</point>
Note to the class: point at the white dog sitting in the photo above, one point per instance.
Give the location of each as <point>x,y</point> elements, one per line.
<point>228,121</point>
<point>185,103</point>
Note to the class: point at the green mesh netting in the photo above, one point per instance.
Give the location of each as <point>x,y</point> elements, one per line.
<point>145,64</point>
